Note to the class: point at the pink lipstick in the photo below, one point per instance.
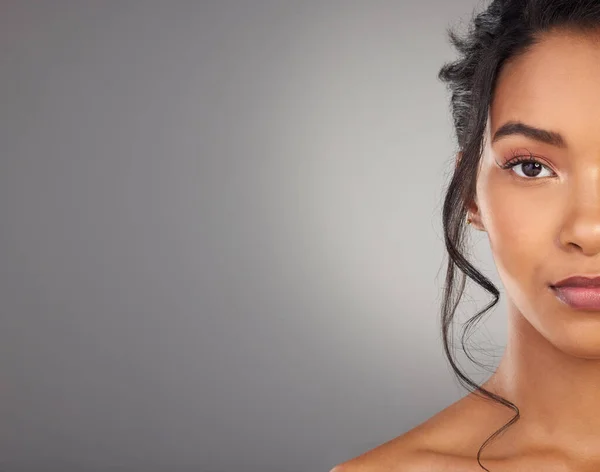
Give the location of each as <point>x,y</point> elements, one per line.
<point>579,292</point>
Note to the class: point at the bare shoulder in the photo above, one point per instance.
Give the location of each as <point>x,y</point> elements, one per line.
<point>447,442</point>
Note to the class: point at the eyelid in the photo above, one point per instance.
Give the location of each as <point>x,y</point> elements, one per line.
<point>520,153</point>
<point>524,155</point>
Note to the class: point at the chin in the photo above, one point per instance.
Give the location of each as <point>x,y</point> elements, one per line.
<point>580,342</point>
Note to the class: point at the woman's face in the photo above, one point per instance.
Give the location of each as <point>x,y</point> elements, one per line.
<point>543,221</point>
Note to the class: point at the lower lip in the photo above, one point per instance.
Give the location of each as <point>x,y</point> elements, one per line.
<point>580,298</point>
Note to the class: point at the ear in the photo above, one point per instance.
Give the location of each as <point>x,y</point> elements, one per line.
<point>473,209</point>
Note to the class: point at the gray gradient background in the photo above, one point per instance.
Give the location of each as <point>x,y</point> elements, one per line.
<point>221,244</point>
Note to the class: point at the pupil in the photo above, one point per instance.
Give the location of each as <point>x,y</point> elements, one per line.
<point>530,168</point>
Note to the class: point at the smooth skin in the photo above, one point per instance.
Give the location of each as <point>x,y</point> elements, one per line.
<point>543,225</point>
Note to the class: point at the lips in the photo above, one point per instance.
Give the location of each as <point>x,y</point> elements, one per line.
<point>579,281</point>
<point>580,298</point>
<point>579,292</point>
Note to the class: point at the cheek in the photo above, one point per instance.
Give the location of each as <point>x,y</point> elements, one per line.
<point>520,224</point>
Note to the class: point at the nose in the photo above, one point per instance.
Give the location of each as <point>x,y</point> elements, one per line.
<point>584,234</point>
<point>581,228</point>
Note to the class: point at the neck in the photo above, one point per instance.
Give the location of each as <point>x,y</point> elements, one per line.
<point>558,395</point>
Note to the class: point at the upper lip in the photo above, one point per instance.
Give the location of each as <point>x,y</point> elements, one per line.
<point>579,281</point>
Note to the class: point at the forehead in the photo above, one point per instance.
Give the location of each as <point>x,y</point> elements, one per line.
<point>554,85</point>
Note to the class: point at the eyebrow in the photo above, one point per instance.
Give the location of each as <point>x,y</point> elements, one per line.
<point>552,138</point>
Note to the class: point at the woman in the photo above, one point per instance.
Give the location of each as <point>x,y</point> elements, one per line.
<point>526,109</point>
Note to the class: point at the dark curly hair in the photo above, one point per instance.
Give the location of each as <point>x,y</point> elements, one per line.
<point>505,29</point>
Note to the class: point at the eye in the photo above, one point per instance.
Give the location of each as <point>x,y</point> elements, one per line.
<point>530,168</point>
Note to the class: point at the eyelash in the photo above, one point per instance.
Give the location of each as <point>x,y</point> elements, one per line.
<point>521,159</point>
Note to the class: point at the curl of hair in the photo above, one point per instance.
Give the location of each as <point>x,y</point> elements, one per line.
<point>504,30</point>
